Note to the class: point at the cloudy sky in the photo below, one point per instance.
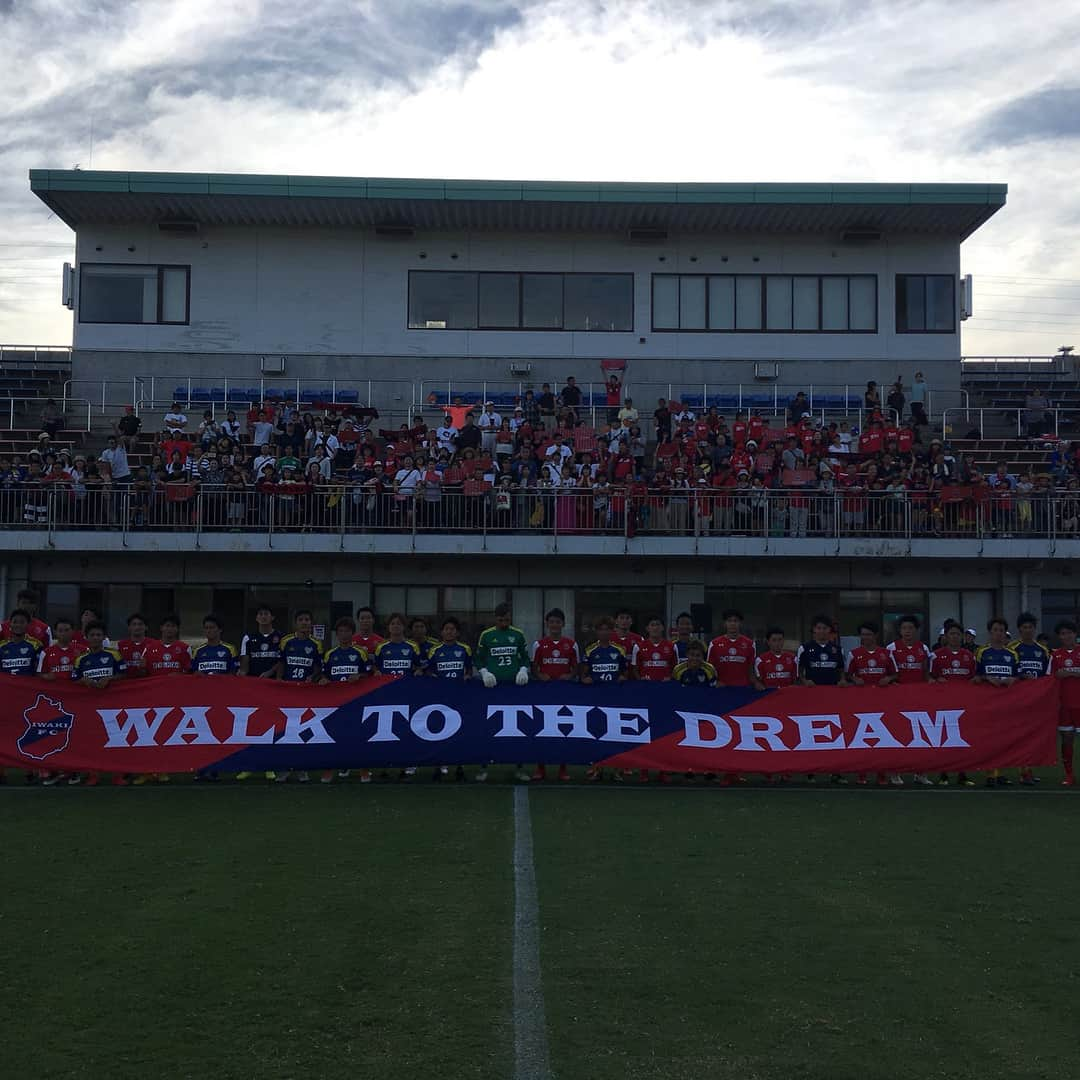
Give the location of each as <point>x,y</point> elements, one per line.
<point>702,90</point>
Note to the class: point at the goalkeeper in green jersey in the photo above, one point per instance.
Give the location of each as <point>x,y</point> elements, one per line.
<point>501,658</point>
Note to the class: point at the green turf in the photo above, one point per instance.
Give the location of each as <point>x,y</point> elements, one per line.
<point>809,935</point>
<point>256,932</point>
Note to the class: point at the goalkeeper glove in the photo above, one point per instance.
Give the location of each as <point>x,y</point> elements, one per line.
<point>522,678</point>
<point>489,680</point>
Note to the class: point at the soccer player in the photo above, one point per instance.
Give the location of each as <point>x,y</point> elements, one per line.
<point>58,660</point>
<point>27,600</point>
<point>869,664</point>
<point>911,658</point>
<point>656,657</point>
<point>451,659</point>
<point>19,651</point>
<point>695,670</point>
<point>420,635</point>
<point>732,653</point>
<point>260,652</point>
<point>684,634</point>
<point>171,656</point>
<point>995,665</point>
<point>952,662</point>
<point>774,669</point>
<point>502,653</point>
<point>213,657</point>
<point>98,667</point>
<point>625,637</point>
<point>398,658</point>
<point>366,637</point>
<point>1065,664</point>
<point>88,616</point>
<point>301,661</point>
<point>555,659</point>
<point>136,648</point>
<point>1032,662</point>
<point>346,662</point>
<point>605,661</point>
<point>821,663</point>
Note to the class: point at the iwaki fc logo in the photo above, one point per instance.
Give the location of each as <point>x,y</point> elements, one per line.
<point>48,727</point>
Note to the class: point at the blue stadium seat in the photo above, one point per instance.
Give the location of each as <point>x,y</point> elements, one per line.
<point>503,398</point>
<point>252,394</point>
<point>275,393</point>
<point>200,393</point>
<point>217,393</point>
<point>758,401</point>
<point>180,393</point>
<point>692,401</point>
<point>348,397</point>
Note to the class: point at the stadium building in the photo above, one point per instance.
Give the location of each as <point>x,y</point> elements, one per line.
<point>408,296</point>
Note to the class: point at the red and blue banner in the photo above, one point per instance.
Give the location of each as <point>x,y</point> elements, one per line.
<point>233,724</point>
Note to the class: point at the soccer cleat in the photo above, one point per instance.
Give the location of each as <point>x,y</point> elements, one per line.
<point>302,776</point>
<point>836,778</point>
<point>163,778</point>
<point>75,778</point>
<point>411,770</point>
<point>92,780</point>
<point>444,770</point>
<point>811,778</point>
<point>327,777</point>
<point>119,781</point>
<point>481,776</point>
<point>539,774</point>
<point>56,778</point>
<point>592,774</point>
<point>1028,781</point>
<point>921,778</point>
<point>619,776</point>
<point>459,774</point>
<point>643,776</point>
<point>1069,781</point>
<point>991,781</point>
<point>897,780</point>
<point>1004,781</point>
<point>270,774</point>
<point>522,775</point>
<point>281,777</point>
<point>563,773</point>
<point>365,776</point>
<point>965,781</point>
<point>243,776</point>
<point>943,780</point>
<point>142,778</point>
<point>344,774</point>
<point>861,780</point>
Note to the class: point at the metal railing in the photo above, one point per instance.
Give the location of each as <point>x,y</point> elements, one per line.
<point>949,416</point>
<point>1012,365</point>
<point>75,412</point>
<point>954,512</point>
<point>39,356</point>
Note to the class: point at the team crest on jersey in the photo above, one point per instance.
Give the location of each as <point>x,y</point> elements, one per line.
<point>556,654</point>
<point>48,728</point>
<point>166,656</point>
<point>956,663</point>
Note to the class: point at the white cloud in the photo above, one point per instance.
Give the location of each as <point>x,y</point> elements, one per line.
<point>649,91</point>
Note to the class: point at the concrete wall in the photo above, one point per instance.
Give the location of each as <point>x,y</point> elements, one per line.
<point>334,301</point>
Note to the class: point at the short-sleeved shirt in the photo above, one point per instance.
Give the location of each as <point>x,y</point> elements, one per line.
<point>450,660</point>
<point>60,659</point>
<point>342,663</point>
<point>870,665</point>
<point>136,655</point>
<point>605,662</point>
<point>1065,659</point>
<point>425,647</point>
<point>556,657</point>
<point>168,656</point>
<point>220,659</point>
<point>655,660</point>
<point>776,669</point>
<point>263,651</point>
<point>910,660</point>
<point>995,663</point>
<point>820,662</point>
<point>398,659</point>
<point>38,629</point>
<point>733,659</point>
<point>19,657</point>
<point>1032,658</point>
<point>953,664</point>
<point>103,664</point>
<point>685,675</point>
<point>301,657</point>
<point>502,652</point>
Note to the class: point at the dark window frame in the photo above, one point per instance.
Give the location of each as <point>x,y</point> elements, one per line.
<point>764,278</point>
<point>521,274</point>
<point>925,280</point>
<point>158,321</point>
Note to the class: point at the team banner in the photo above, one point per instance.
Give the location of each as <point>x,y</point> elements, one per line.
<point>233,724</point>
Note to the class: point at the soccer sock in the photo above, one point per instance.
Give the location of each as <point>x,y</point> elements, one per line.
<point>1067,756</point>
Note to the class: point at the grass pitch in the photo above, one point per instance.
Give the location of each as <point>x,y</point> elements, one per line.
<point>250,931</point>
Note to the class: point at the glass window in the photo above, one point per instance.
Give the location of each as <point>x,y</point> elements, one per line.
<point>499,301</point>
<point>939,304</point>
<point>442,301</point>
<point>748,303</point>
<point>133,294</point>
<point>778,303</point>
<point>541,301</point>
<point>603,302</point>
<point>834,303</point>
<point>665,302</point>
<point>691,303</point>
<point>925,304</point>
<point>721,303</point>
<point>805,303</point>
<point>862,295</point>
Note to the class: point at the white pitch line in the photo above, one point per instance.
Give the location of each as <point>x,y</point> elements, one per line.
<point>531,1058</point>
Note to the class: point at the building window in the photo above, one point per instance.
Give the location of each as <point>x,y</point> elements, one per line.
<point>925,304</point>
<point>125,293</point>
<point>444,300</point>
<point>765,303</point>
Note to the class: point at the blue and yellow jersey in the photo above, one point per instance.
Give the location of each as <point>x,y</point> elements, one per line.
<point>301,658</point>
<point>1032,659</point>
<point>426,647</point>
<point>996,663</point>
<point>103,664</point>
<point>605,663</point>
<point>450,661</point>
<point>220,659</point>
<point>19,657</point>
<point>685,675</point>
<point>342,663</point>
<point>398,659</point>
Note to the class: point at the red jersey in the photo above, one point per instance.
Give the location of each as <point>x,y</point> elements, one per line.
<point>1065,660</point>
<point>656,660</point>
<point>909,660</point>
<point>60,659</point>
<point>777,669</point>
<point>755,429</point>
<point>738,432</point>
<point>367,641</point>
<point>135,655</point>
<point>168,656</point>
<point>871,442</point>
<point>38,629</point>
<point>629,642</point>
<point>950,664</point>
<point>555,658</point>
<point>870,665</point>
<point>733,658</point>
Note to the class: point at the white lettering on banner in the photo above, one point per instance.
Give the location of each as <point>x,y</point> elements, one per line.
<point>509,715</point>
<point>693,721</point>
<point>626,725</point>
<point>758,730</point>
<point>296,727</point>
<point>814,731</point>
<point>926,733</point>
<point>193,729</point>
<point>143,722</point>
<point>871,727</point>
<point>554,721</point>
<point>240,735</point>
<point>421,727</point>
<point>384,721</point>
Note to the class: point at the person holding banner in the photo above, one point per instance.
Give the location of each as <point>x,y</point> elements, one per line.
<point>1065,664</point>
<point>213,657</point>
<point>773,670</point>
<point>911,657</point>
<point>260,654</point>
<point>349,663</point>
<point>605,662</point>
<point>398,658</point>
<point>1032,662</point>
<point>555,659</point>
<point>450,658</point>
<point>821,663</point>
<point>502,657</point>
<point>695,671</point>
<point>869,664</point>
<point>171,656</point>
<point>953,662</point>
<point>301,662</point>
<point>98,667</point>
<point>995,665</point>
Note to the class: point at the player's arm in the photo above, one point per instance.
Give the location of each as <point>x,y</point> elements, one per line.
<point>755,674</point>
<point>571,675</point>
<point>980,675</point>
<point>801,668</point>
<point>536,672</point>
<point>893,675</point>
<point>584,673</point>
<point>852,677</point>
<point>244,663</point>
<point>234,661</point>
